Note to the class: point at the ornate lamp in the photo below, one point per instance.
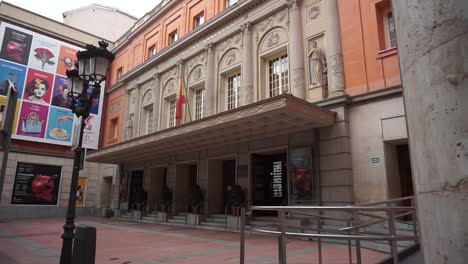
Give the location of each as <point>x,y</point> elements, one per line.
<point>84,85</point>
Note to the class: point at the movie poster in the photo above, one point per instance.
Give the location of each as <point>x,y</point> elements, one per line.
<point>60,93</point>
<point>81,191</point>
<point>32,120</point>
<point>36,184</point>
<point>300,174</point>
<point>11,77</point>
<point>16,46</point>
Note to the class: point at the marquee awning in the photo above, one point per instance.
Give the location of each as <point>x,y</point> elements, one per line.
<point>270,117</point>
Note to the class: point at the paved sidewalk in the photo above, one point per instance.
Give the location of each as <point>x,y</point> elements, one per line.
<point>38,241</point>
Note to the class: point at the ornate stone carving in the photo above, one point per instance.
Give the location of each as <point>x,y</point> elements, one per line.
<point>230,57</point>
<point>170,87</point>
<point>317,67</point>
<point>298,80</point>
<point>273,39</point>
<point>313,12</point>
<point>278,19</point>
<point>336,72</point>
<point>196,74</point>
<point>245,28</point>
<point>227,44</point>
<point>148,97</point>
<point>281,16</point>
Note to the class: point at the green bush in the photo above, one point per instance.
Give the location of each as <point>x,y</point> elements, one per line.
<point>236,196</point>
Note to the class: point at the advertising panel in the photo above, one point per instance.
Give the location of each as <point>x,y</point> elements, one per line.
<point>36,184</point>
<point>36,65</point>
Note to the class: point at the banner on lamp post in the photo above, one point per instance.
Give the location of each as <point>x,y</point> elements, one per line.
<point>76,132</point>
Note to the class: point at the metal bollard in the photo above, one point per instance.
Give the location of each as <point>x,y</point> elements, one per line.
<point>84,245</point>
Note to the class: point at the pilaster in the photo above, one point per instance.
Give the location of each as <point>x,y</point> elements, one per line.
<point>296,50</point>
<point>247,93</point>
<point>335,66</point>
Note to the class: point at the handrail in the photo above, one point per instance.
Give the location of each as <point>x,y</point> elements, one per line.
<point>354,229</point>
<point>389,201</point>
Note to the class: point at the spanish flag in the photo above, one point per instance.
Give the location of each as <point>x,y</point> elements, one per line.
<point>180,101</point>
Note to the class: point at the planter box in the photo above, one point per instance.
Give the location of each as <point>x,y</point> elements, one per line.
<point>233,222</point>
<point>194,219</point>
<point>162,216</point>
<point>107,212</point>
<point>136,215</point>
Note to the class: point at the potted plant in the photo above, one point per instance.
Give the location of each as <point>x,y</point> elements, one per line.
<point>166,199</point>
<point>196,198</point>
<point>236,199</point>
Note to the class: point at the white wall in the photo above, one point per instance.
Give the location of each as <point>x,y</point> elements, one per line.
<point>368,126</point>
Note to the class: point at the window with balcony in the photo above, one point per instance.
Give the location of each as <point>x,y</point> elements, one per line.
<point>148,119</point>
<point>172,113</point>
<point>114,129</point>
<point>119,73</point>
<point>199,103</point>
<point>233,91</point>
<point>198,20</point>
<point>278,75</point>
<point>172,37</point>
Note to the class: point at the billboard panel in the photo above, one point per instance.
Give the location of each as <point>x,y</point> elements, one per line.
<point>35,65</point>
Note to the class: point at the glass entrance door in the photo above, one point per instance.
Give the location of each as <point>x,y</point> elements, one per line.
<point>270,180</point>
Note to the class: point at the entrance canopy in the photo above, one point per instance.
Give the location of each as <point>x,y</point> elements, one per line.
<point>275,116</point>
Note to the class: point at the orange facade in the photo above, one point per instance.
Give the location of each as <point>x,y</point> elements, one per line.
<point>179,18</point>
<point>370,61</point>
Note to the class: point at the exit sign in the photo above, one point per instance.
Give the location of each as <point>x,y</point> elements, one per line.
<point>375,160</point>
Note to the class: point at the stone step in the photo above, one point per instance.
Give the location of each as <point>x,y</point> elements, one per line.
<point>206,223</point>
<point>217,220</point>
<point>178,221</point>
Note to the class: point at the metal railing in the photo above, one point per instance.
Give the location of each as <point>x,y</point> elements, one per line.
<point>357,223</point>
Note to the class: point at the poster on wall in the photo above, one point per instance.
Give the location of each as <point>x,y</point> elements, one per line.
<point>81,191</point>
<point>36,66</point>
<point>301,180</point>
<point>36,184</point>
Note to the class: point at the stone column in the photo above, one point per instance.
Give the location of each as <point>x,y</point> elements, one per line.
<point>246,93</point>
<point>296,50</point>
<point>335,69</point>
<point>136,119</point>
<point>432,44</point>
<point>210,81</point>
<point>156,100</point>
<point>128,93</point>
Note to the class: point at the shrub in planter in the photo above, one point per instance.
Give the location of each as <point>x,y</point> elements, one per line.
<point>166,199</point>
<point>196,198</point>
<point>236,199</point>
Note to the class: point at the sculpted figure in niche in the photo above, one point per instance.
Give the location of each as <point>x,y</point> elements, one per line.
<point>316,65</point>
<point>129,127</point>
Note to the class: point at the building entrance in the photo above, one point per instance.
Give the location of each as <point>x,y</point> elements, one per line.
<point>270,180</point>
<point>136,190</point>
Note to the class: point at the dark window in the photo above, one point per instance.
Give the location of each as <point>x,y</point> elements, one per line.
<point>198,20</point>
<point>172,37</point>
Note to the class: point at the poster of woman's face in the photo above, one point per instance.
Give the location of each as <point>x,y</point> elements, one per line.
<point>38,87</point>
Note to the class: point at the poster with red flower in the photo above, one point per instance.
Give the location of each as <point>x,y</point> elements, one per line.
<point>38,87</point>
<point>36,184</point>
<point>44,54</point>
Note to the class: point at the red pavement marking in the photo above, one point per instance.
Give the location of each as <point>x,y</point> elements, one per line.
<point>118,242</point>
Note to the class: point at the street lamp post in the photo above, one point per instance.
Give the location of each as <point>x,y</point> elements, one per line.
<point>84,87</point>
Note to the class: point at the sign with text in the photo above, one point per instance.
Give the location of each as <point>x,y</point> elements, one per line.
<point>35,66</point>
<point>36,184</point>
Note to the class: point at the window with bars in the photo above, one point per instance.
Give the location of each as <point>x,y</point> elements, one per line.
<point>172,117</point>
<point>199,103</point>
<point>198,20</point>
<point>233,86</point>
<point>278,73</point>
<point>149,119</point>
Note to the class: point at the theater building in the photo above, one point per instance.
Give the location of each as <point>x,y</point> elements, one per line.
<point>299,102</point>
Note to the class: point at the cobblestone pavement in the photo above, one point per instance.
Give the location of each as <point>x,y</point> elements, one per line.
<point>38,241</point>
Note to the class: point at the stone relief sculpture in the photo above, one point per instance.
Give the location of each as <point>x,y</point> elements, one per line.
<point>129,127</point>
<point>317,66</point>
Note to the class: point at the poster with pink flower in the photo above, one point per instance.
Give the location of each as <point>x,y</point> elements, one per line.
<point>32,120</point>
<point>38,87</point>
<point>44,54</point>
